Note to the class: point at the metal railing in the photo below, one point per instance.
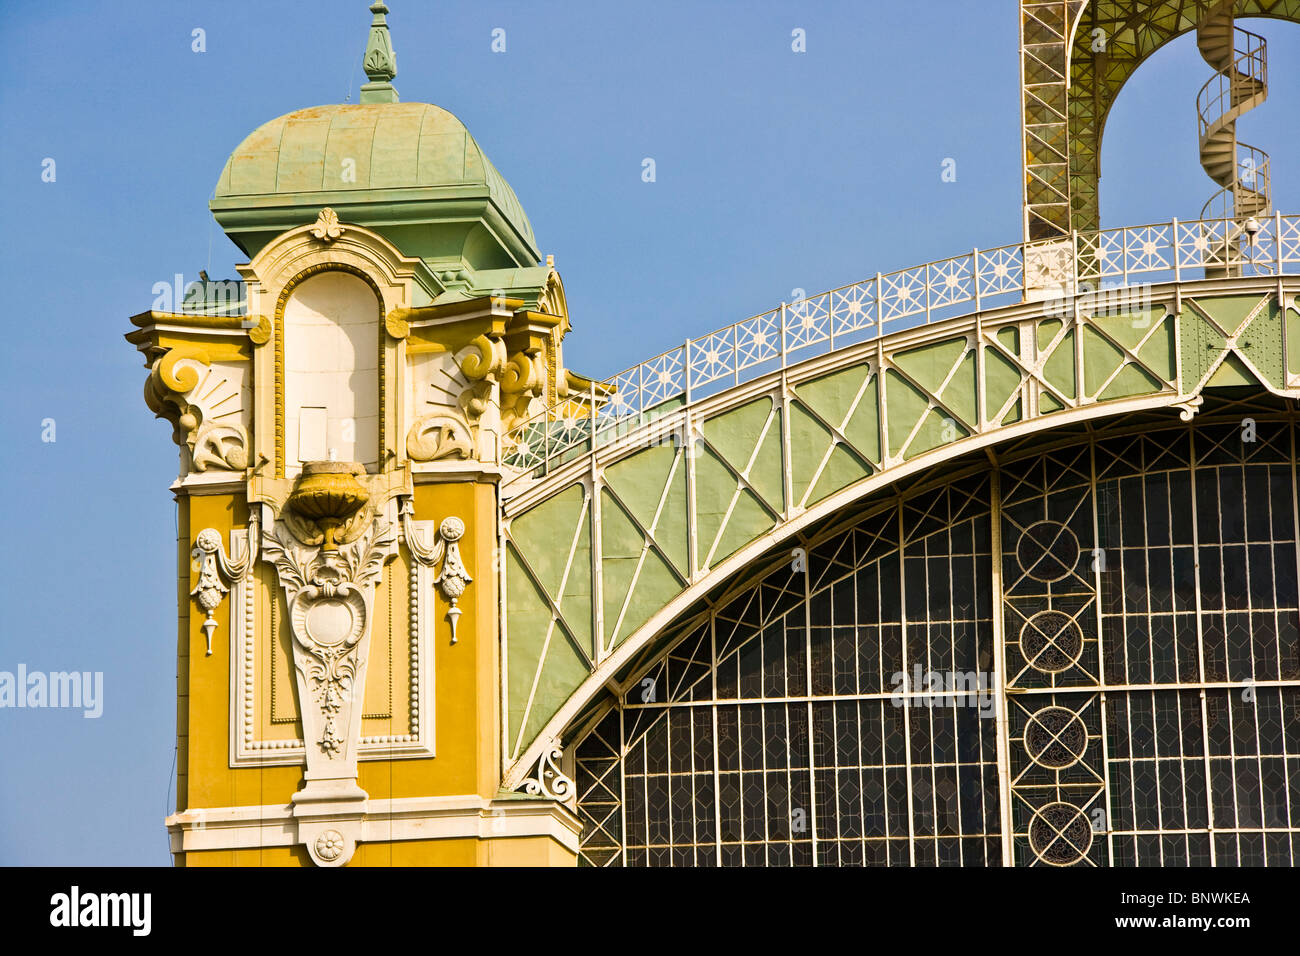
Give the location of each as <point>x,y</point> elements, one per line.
<point>890,302</point>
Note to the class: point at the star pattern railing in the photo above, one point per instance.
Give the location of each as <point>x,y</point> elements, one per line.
<point>1084,263</point>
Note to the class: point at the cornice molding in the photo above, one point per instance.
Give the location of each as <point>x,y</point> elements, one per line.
<point>461,208</point>
<point>412,818</point>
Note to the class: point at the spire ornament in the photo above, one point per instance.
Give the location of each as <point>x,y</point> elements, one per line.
<point>380,61</point>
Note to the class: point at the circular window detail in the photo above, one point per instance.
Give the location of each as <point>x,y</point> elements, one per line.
<point>1051,642</point>
<point>1056,738</point>
<point>1048,551</point>
<point>1060,834</point>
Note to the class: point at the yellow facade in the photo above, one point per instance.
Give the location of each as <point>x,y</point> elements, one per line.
<point>467,761</point>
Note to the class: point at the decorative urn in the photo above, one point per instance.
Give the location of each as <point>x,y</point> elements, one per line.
<point>329,494</point>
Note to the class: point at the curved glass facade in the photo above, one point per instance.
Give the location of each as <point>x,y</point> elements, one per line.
<point>1081,656</point>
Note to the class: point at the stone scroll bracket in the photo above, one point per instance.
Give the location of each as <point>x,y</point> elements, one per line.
<point>204,399</point>
<point>453,578</point>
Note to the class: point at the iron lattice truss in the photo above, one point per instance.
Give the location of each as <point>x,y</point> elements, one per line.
<point>604,551</point>
<point>1075,57</point>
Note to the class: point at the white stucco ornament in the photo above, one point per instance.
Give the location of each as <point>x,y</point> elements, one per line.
<point>453,579</point>
<point>327,227</point>
<point>216,572</point>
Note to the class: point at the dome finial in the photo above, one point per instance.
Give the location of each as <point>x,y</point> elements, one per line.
<point>380,62</point>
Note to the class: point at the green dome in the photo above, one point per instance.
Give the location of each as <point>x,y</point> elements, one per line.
<point>374,148</point>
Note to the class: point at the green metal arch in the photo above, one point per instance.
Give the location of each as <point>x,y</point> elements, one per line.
<point>607,551</point>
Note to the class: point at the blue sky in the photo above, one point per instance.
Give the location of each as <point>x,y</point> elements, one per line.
<point>775,171</point>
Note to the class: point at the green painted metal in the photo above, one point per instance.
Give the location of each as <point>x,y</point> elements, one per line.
<point>380,62</point>
<point>410,171</point>
<point>769,456</point>
<point>1115,265</point>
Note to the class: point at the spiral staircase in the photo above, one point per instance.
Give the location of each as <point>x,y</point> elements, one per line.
<point>1240,84</point>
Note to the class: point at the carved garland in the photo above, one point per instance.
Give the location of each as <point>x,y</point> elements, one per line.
<point>217,572</point>
<point>330,590</point>
<point>330,595</point>
<point>453,578</point>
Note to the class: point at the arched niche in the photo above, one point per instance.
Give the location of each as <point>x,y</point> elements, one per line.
<point>331,341</point>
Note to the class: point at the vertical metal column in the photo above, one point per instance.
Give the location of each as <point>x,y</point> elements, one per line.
<point>1000,665</point>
